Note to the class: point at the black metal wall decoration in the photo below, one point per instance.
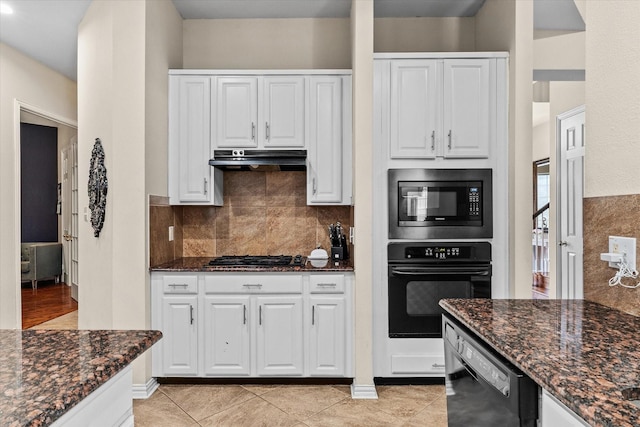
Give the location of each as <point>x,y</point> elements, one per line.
<point>97,187</point>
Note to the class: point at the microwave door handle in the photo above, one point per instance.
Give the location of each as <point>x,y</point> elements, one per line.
<point>422,272</point>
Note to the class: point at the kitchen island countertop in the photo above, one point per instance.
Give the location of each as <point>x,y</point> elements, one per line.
<point>45,373</point>
<point>200,264</point>
<point>585,354</point>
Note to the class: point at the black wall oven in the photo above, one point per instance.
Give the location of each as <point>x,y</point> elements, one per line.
<point>423,273</point>
<point>440,204</point>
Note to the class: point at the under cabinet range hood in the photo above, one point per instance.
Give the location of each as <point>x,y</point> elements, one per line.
<point>238,159</point>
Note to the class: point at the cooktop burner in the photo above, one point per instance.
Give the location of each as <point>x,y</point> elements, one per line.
<point>258,260</point>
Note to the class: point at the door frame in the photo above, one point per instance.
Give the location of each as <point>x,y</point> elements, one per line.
<point>18,107</point>
<point>558,217</point>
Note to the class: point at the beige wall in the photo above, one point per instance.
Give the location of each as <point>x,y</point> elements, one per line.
<point>540,144</point>
<point>29,82</point>
<point>507,25</point>
<point>424,35</point>
<point>114,92</point>
<point>612,153</point>
<point>559,51</point>
<point>267,43</point>
<point>612,98</point>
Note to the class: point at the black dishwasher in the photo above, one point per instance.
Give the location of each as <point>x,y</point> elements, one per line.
<point>483,388</point>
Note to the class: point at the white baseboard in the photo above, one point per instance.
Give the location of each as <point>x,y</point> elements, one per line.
<point>144,391</point>
<point>363,392</point>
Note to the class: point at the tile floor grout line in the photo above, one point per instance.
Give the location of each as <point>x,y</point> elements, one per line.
<point>179,407</point>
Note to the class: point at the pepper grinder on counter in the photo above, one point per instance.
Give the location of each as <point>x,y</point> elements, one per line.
<point>339,249</point>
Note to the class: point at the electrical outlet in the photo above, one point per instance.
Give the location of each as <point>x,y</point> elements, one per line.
<point>626,246</point>
<point>171,233</point>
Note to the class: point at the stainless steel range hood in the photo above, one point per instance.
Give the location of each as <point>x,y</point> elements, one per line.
<point>237,159</point>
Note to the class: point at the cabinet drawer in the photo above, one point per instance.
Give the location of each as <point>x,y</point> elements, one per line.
<point>180,284</point>
<point>326,284</point>
<point>417,364</point>
<point>253,284</point>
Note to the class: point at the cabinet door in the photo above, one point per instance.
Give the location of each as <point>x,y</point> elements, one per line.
<point>226,336</point>
<point>192,120</point>
<point>180,336</point>
<point>279,337</point>
<point>415,109</point>
<point>467,111</point>
<point>236,112</point>
<point>283,112</point>
<point>327,340</point>
<point>325,153</point>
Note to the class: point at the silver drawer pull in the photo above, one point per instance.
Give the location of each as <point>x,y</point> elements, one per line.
<point>326,285</point>
<point>179,285</point>
<point>252,285</point>
<point>438,366</point>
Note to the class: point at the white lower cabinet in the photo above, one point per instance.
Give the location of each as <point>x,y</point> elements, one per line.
<point>279,336</point>
<point>180,335</point>
<point>227,346</point>
<point>249,325</point>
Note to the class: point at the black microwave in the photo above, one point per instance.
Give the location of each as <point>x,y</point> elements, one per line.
<point>440,204</point>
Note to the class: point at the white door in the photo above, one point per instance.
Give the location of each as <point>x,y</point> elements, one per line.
<point>70,214</point>
<point>327,336</point>
<point>227,348</point>
<point>236,112</point>
<point>279,336</point>
<point>194,140</point>
<point>414,109</point>
<point>571,143</point>
<point>466,108</point>
<point>180,335</point>
<point>325,153</point>
<point>282,112</point>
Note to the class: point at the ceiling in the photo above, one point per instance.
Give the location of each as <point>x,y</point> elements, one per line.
<point>46,30</point>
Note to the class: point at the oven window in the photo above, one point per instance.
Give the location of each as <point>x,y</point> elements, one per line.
<point>423,296</point>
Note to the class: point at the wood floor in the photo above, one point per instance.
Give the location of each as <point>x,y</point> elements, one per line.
<point>48,301</point>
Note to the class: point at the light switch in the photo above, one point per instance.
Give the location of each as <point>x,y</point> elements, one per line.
<point>171,233</point>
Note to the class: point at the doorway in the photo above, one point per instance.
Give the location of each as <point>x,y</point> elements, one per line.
<point>52,297</point>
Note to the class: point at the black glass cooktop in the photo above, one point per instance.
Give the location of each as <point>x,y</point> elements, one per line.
<point>258,260</point>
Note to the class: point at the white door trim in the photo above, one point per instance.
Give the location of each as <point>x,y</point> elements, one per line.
<point>19,106</point>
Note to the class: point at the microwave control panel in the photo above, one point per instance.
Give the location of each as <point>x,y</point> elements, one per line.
<point>474,201</point>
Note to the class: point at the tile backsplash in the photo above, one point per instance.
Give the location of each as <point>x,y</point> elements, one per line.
<point>604,217</point>
<point>264,213</point>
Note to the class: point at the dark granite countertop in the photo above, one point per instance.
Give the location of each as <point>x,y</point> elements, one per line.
<point>201,264</point>
<point>585,354</point>
<point>44,373</point>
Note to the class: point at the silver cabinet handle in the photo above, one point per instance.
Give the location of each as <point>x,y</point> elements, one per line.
<point>326,285</point>
<point>191,312</point>
<point>438,365</point>
<point>562,243</point>
<point>260,315</point>
<point>253,131</point>
<point>313,186</point>
<point>252,285</point>
<point>178,285</point>
<point>244,314</point>
<point>266,130</point>
<point>449,139</point>
<point>205,185</point>
<point>313,314</point>
<point>433,140</point>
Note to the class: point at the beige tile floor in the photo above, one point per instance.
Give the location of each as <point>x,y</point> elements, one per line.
<point>282,405</point>
<point>290,405</point>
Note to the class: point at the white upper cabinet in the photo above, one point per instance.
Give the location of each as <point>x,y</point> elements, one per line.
<point>282,121</point>
<point>414,108</point>
<point>329,150</point>
<point>441,108</point>
<point>236,121</point>
<point>467,107</point>
<point>259,112</point>
<point>191,179</point>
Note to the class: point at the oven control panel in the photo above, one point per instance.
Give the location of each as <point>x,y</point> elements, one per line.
<point>438,252</point>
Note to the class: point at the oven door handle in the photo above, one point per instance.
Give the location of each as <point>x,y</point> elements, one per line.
<point>423,271</point>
